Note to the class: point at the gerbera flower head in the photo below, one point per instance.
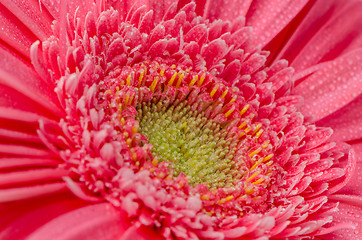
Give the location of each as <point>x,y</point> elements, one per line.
<point>184,125</point>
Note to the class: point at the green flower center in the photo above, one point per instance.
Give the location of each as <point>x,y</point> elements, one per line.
<point>195,145</point>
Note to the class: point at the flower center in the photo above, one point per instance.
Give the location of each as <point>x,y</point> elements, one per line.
<point>191,120</point>
<point>195,145</point>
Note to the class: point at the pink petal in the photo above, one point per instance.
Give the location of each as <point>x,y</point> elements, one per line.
<point>29,13</point>
<point>140,233</point>
<point>269,17</point>
<point>14,33</point>
<point>339,35</point>
<point>354,186</point>
<point>99,221</point>
<point>225,9</point>
<point>20,193</point>
<point>31,176</point>
<point>6,163</point>
<point>20,150</point>
<point>347,213</point>
<point>26,82</point>
<point>19,115</point>
<point>32,214</point>
<point>346,122</point>
<point>333,86</point>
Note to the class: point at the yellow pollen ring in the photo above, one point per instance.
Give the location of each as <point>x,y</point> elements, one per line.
<point>154,84</point>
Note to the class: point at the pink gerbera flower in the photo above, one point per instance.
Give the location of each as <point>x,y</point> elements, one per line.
<point>180,120</point>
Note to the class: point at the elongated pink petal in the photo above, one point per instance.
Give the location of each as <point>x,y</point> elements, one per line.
<point>225,9</point>
<point>14,33</point>
<point>268,18</point>
<point>19,115</point>
<point>354,186</point>
<point>6,163</point>
<point>29,13</point>
<point>140,233</point>
<point>31,176</point>
<point>99,221</point>
<point>333,86</point>
<point>20,193</point>
<point>26,82</point>
<point>338,36</point>
<point>350,214</point>
<point>20,150</point>
<point>33,214</point>
<point>18,135</point>
<point>346,122</point>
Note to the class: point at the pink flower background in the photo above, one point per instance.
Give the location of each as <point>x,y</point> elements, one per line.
<point>321,40</point>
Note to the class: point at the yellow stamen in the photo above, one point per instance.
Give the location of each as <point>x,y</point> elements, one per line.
<point>155,162</point>
<point>224,93</point>
<point>260,180</point>
<point>154,84</point>
<point>213,91</point>
<point>203,76</point>
<point>258,134</point>
<point>254,175</point>
<point>193,81</point>
<point>162,72</point>
<point>256,164</point>
<point>265,144</point>
<point>205,197</point>
<point>233,99</point>
<point>134,130</point>
<point>228,113</point>
<point>268,157</point>
<point>247,129</point>
<point>172,79</point>
<point>255,152</point>
<point>126,98</point>
<point>249,190</point>
<point>141,78</point>
<point>179,81</point>
<point>257,128</point>
<point>123,121</point>
<point>242,125</point>
<point>245,108</point>
<point>269,163</point>
<point>128,80</point>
